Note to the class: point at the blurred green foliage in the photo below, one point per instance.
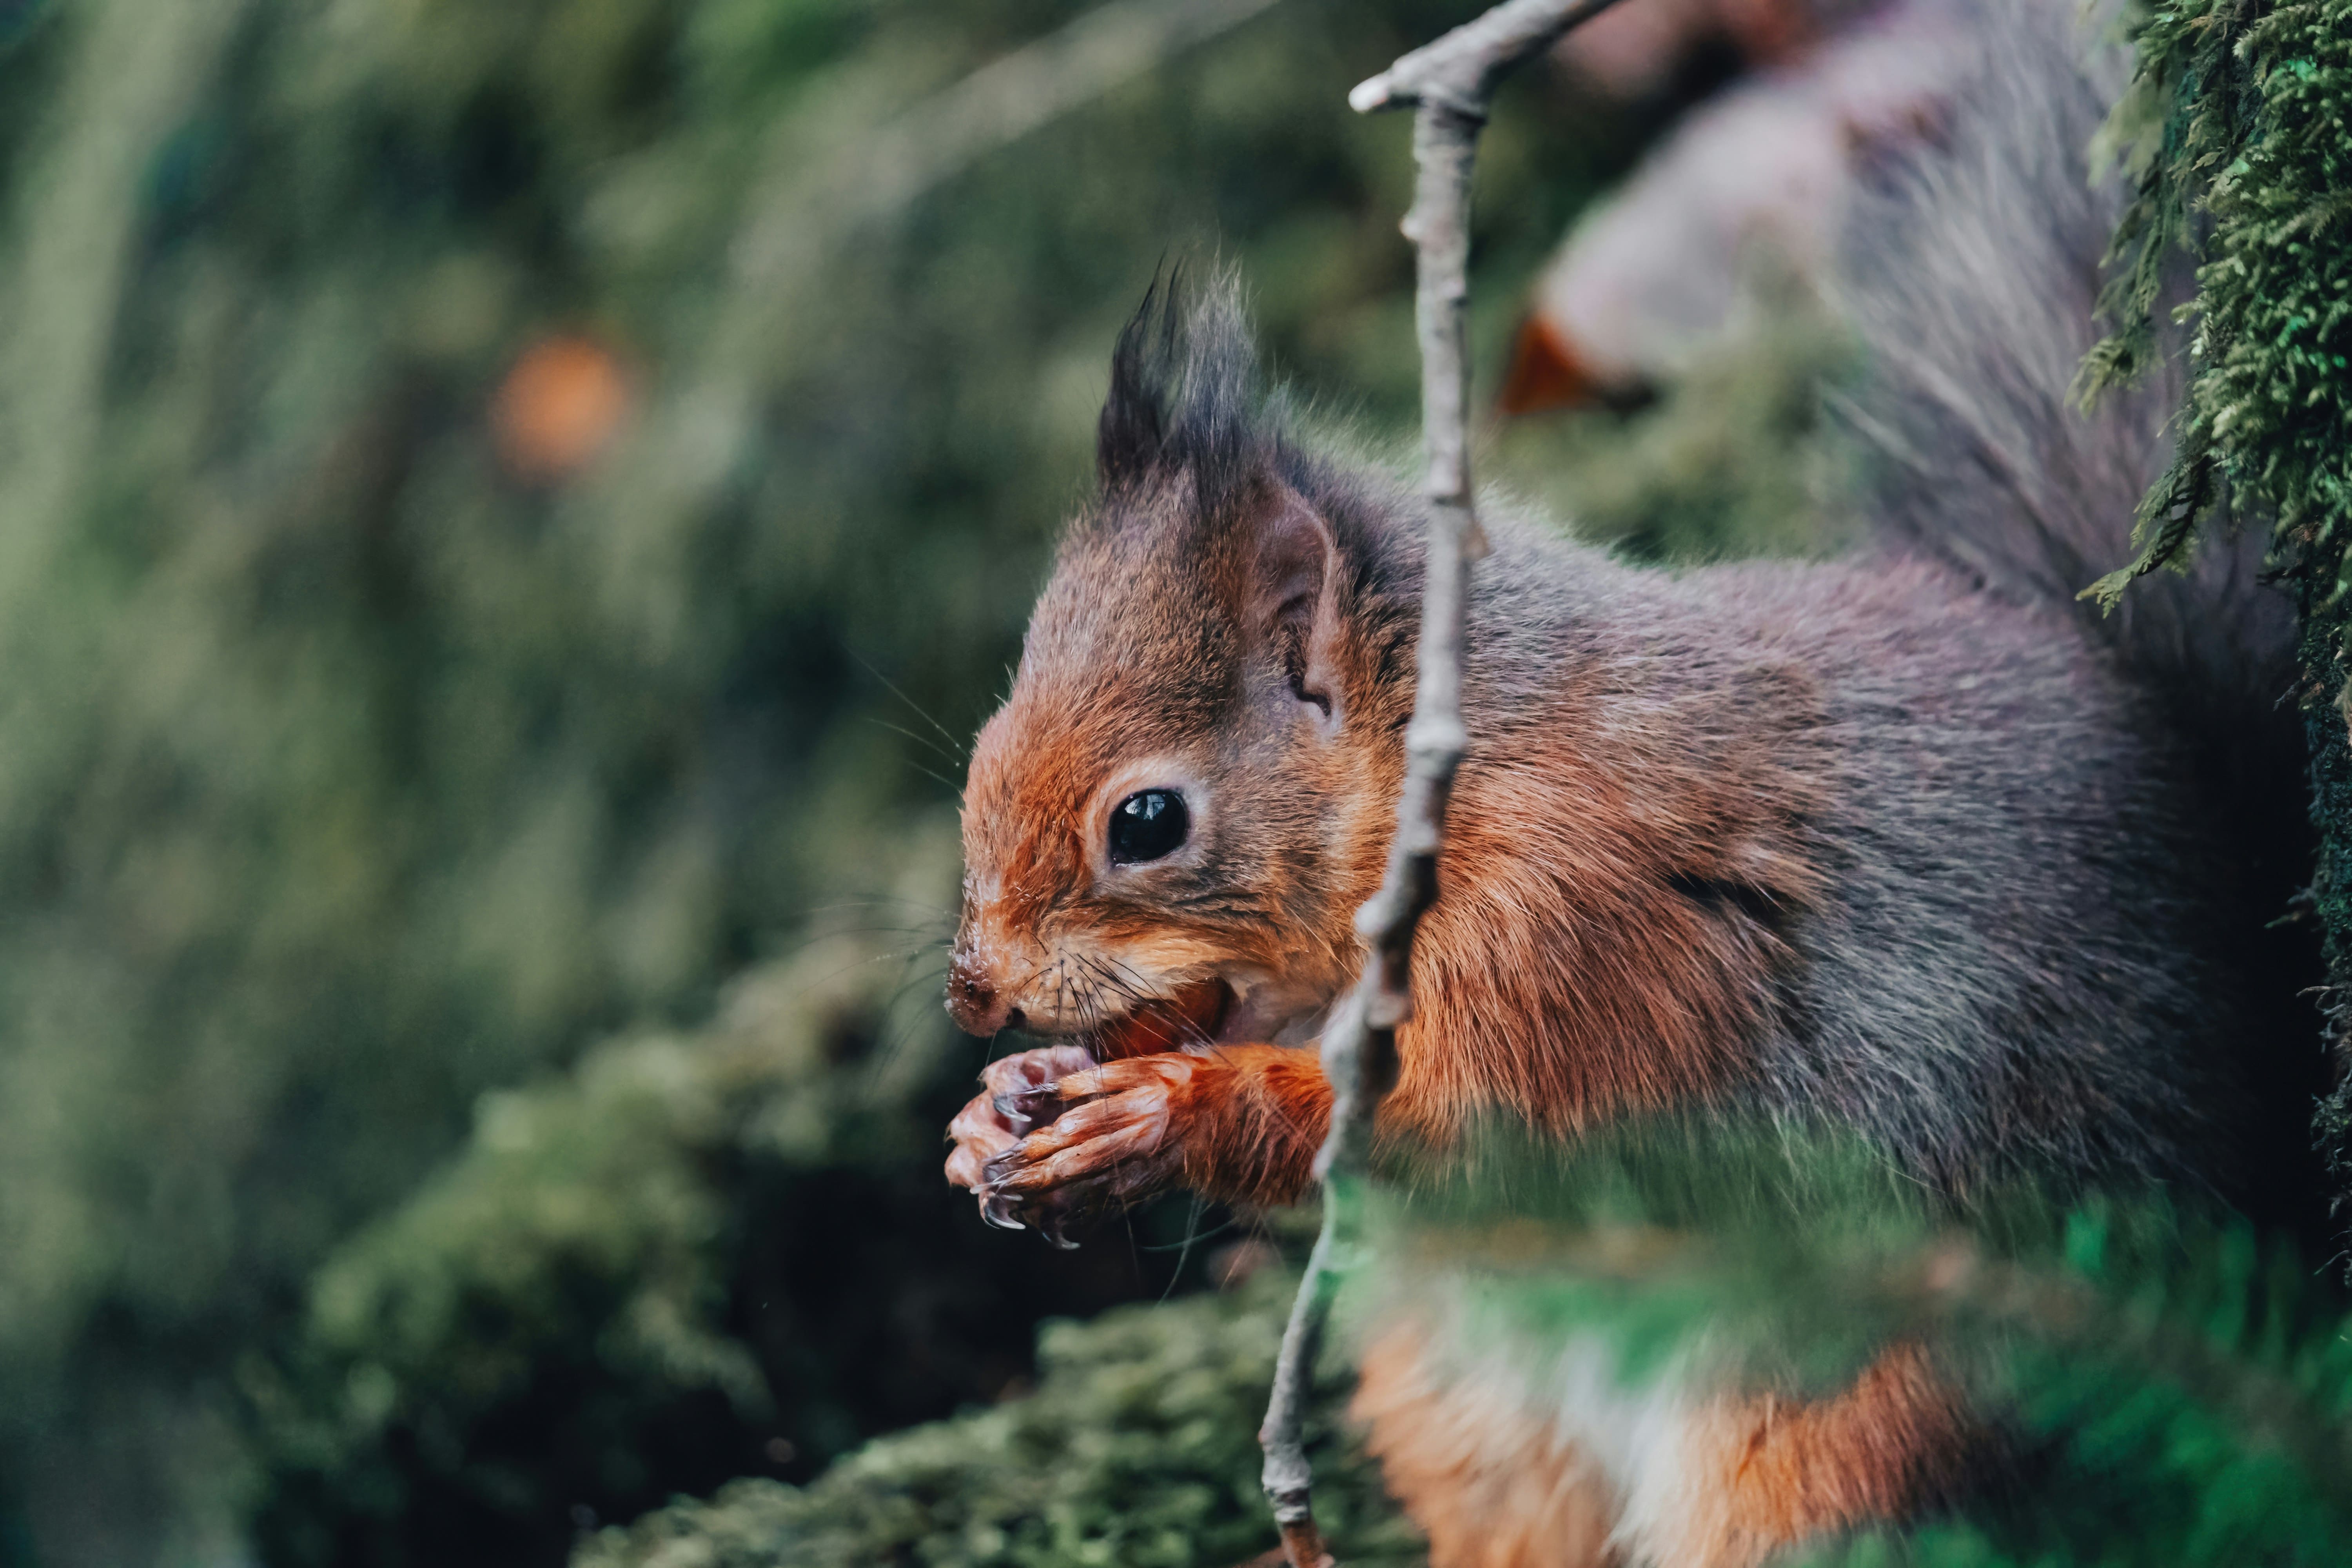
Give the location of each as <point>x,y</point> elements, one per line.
<point>353,768</point>
<point>2168,1388</point>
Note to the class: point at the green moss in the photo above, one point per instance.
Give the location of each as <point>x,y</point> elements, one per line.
<point>524,1334</point>
<point>699,1254</point>
<point>2239,129</point>
<point>1138,1448</point>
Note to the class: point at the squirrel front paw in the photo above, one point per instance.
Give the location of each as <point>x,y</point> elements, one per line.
<point>1104,1138</point>
<point>988,1126</point>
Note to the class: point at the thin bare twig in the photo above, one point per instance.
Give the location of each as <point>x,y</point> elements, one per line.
<point>1449,84</point>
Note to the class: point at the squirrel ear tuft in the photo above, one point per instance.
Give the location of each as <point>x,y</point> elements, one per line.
<point>1183,393</point>
<point>1133,430</point>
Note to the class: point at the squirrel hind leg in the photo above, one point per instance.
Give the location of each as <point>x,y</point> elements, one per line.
<point>1495,1482</point>
<point>1757,1474</point>
<point>1490,1488</point>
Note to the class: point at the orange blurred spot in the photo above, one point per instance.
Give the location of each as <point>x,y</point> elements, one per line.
<point>1545,372</point>
<point>559,407</point>
<point>1770,31</point>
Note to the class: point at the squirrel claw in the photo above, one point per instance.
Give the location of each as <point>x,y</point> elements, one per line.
<point>999,1211</point>
<point>994,1173</point>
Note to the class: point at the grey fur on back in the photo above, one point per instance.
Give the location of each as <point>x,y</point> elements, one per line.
<point>1997,959</point>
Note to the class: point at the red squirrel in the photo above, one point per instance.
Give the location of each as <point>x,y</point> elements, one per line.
<point>1908,843</point>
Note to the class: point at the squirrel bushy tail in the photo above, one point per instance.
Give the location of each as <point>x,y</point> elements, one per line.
<point>1972,270</point>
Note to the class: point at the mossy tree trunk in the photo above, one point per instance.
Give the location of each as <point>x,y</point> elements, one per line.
<point>2241,120</point>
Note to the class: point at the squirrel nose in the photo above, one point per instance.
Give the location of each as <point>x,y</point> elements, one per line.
<point>975,1003</point>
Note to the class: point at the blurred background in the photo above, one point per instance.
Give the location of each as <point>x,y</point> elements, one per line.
<point>509,514</point>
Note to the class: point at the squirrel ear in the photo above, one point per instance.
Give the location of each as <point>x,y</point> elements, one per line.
<point>1292,602</point>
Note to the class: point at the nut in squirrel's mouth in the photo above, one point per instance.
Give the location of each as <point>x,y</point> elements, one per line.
<point>1192,1019</point>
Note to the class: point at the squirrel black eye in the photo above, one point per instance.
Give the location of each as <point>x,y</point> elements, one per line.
<point>1147,826</point>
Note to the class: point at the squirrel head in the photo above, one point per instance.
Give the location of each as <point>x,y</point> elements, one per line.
<point>1189,789</point>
